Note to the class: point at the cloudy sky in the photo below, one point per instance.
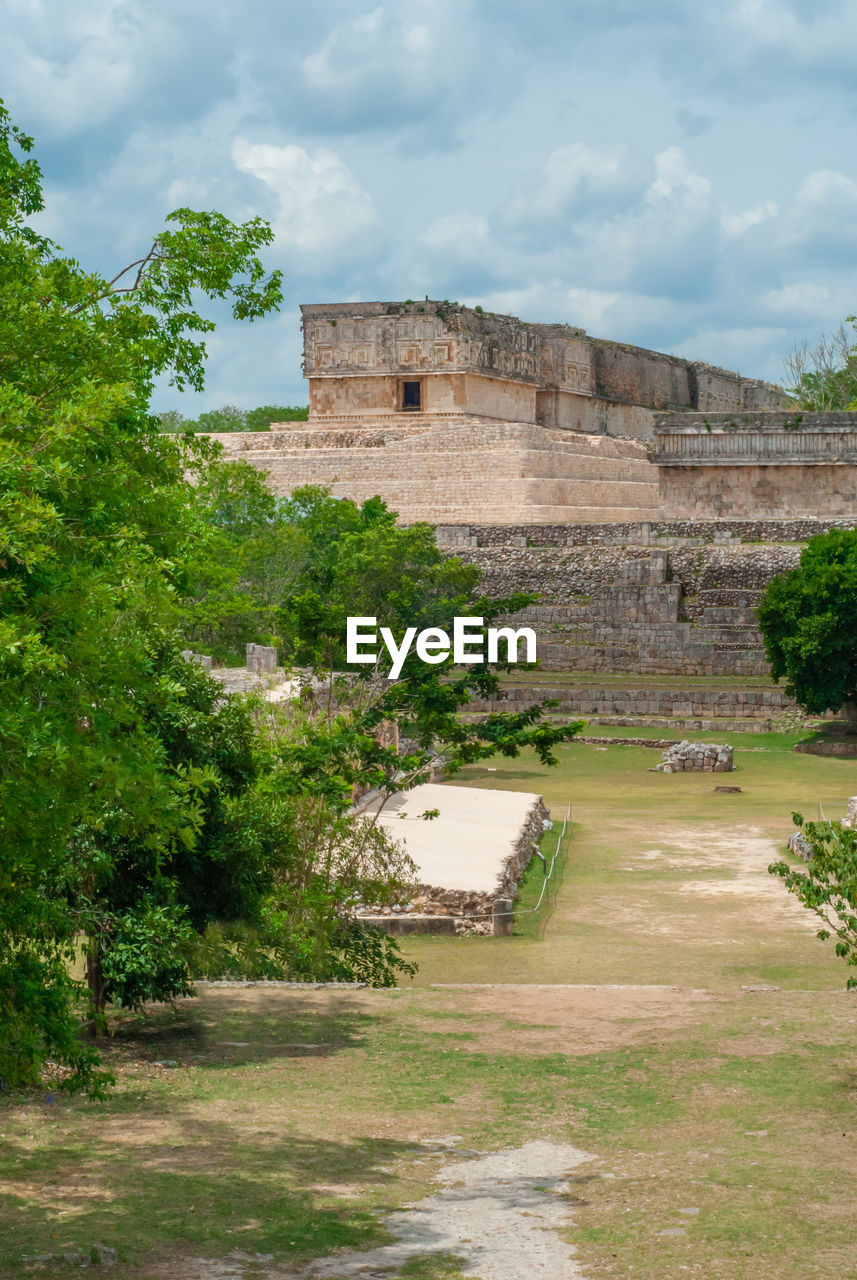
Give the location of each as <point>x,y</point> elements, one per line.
<point>681,174</point>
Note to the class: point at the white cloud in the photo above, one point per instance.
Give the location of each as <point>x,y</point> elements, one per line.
<point>320,204</point>
<point>395,67</point>
<point>526,164</point>
<point>575,177</point>
<point>677,182</point>
<point>68,67</point>
<point>825,187</point>
<point>736,224</point>
<point>457,233</point>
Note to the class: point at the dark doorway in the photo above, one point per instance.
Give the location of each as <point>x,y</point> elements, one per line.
<point>411,395</point>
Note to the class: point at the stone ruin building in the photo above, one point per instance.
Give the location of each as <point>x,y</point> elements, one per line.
<point>647,498</point>
<point>454,415</point>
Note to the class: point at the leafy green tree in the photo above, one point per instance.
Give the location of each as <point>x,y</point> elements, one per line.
<point>808,620</point>
<point>100,539</point>
<point>260,419</point>
<point>828,886</point>
<point>359,562</point>
<point>232,418</point>
<point>229,418</point>
<point>138,903</point>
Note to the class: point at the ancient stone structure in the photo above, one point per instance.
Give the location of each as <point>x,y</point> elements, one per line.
<point>205,660</point>
<point>467,469</point>
<point>696,757</point>
<point>468,859</point>
<point>261,658</point>
<point>658,600</point>
<point>648,499</point>
<point>452,415</point>
<point>372,360</point>
<point>752,465</point>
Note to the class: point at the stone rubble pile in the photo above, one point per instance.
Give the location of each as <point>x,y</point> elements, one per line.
<point>696,757</point>
<point>798,844</point>
<point>850,819</point>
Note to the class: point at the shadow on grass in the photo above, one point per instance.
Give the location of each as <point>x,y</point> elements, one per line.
<point>232,1028</point>
<point>208,1192</point>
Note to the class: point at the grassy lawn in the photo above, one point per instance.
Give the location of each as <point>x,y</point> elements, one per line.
<point>703,1054</point>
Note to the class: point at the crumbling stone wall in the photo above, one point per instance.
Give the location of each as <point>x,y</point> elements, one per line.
<point>348,347</point>
<point>697,757</point>
<point>633,607</point>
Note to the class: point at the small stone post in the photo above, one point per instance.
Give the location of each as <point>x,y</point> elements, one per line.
<point>503,921</point>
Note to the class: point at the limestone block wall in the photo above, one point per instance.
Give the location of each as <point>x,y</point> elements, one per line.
<point>641,377</point>
<point>594,415</point>
<point>624,372</point>
<point>363,397</point>
<point>409,338</point>
<point>654,533</point>
<point>768,464</point>
<point>645,703</point>
<point>347,345</point>
<point>737,491</point>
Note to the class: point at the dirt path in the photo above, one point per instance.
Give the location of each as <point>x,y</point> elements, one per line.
<point>499,1213</point>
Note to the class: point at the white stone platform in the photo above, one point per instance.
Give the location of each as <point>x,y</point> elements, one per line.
<point>477,843</point>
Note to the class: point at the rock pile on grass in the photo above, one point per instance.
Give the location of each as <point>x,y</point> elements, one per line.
<point>696,757</point>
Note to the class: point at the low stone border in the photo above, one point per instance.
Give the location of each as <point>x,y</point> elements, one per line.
<point>629,742</point>
<point>844,750</point>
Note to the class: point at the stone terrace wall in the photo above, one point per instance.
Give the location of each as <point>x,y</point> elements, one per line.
<point>771,464</point>
<point>640,533</point>
<point>610,607</point>
<point>646,704</point>
<point>470,467</point>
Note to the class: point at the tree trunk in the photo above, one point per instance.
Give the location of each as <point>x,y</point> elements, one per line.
<point>97,993</point>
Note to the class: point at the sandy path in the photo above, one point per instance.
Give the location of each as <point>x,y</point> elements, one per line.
<point>499,1212</point>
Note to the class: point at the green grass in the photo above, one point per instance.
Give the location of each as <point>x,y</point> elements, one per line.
<point>620,809</point>
<point>295,1120</point>
<point>255,1150</point>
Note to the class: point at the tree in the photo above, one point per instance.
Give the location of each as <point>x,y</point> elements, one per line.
<point>808,620</point>
<point>360,562</point>
<point>139,904</point>
<point>823,378</point>
<point>333,742</point>
<point>100,538</point>
<point>231,417</point>
<point>829,884</point>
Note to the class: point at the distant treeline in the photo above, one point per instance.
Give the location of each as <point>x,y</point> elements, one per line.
<point>231,418</point>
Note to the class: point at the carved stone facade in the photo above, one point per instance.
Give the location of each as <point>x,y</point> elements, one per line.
<point>370,359</point>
